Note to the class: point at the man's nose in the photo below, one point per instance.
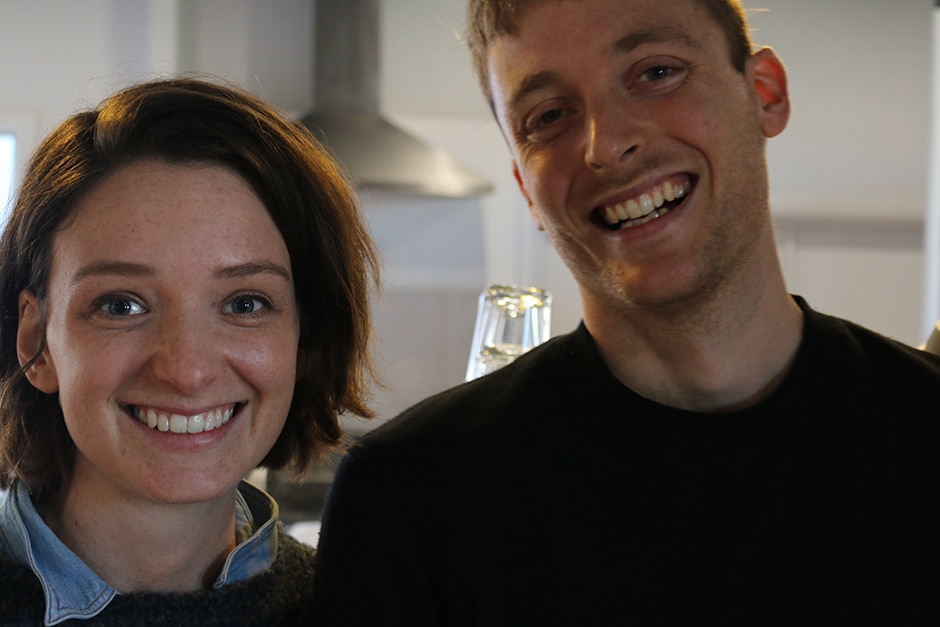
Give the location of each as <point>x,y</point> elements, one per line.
<point>613,136</point>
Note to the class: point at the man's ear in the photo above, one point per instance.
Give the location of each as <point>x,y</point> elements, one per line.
<point>525,194</point>
<point>766,73</point>
<point>30,340</point>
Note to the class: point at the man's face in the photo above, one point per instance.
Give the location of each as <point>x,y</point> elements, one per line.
<point>639,147</point>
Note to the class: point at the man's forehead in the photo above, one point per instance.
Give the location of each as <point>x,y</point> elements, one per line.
<point>642,15</point>
<point>608,33</point>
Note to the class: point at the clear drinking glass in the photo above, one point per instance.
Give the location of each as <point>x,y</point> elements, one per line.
<point>932,345</point>
<point>510,321</point>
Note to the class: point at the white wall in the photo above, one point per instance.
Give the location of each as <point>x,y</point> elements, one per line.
<point>848,175</point>
<point>265,46</point>
<point>57,55</point>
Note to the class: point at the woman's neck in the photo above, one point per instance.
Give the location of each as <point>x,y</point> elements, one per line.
<point>135,544</point>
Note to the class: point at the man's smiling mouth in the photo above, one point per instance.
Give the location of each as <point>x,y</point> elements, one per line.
<point>178,423</point>
<point>647,206</point>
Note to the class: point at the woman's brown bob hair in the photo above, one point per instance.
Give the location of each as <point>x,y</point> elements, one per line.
<point>187,120</point>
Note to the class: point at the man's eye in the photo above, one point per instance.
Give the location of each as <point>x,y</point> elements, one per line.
<point>121,307</point>
<point>659,79</point>
<point>246,305</point>
<point>546,124</point>
<point>552,115</point>
<point>657,73</point>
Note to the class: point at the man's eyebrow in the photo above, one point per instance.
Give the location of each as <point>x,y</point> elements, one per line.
<point>531,83</point>
<point>627,43</point>
<point>666,34</point>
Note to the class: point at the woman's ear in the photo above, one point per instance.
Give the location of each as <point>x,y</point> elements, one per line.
<point>769,78</point>
<point>30,340</point>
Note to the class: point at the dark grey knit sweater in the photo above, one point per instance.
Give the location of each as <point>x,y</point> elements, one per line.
<point>278,596</point>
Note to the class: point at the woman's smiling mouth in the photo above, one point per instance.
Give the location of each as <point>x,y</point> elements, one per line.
<point>647,206</point>
<point>179,423</point>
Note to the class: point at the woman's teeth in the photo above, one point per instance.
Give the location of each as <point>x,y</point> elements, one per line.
<point>177,423</point>
<point>645,207</point>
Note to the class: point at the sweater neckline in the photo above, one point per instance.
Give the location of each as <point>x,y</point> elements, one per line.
<point>782,410</point>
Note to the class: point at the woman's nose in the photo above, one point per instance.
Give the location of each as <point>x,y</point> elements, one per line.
<point>184,356</point>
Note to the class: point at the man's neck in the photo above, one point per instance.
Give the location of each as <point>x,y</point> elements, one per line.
<point>722,355</point>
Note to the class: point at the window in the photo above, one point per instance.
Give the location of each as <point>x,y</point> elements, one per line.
<point>7,169</point>
<point>17,140</point>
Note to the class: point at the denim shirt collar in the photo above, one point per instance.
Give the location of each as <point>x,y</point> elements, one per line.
<point>256,516</point>
<point>73,591</point>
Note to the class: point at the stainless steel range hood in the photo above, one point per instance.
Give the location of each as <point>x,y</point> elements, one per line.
<point>379,155</point>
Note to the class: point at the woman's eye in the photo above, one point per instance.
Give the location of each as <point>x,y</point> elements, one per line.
<point>243,305</point>
<point>121,307</point>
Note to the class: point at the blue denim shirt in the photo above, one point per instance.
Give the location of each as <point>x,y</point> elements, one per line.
<point>74,591</point>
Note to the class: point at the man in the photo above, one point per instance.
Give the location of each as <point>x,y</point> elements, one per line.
<point>704,447</point>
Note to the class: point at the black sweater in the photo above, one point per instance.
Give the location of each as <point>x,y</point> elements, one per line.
<point>547,493</point>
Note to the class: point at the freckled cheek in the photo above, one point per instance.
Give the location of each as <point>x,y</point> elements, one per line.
<point>268,365</point>
<point>86,397</point>
<point>270,372</point>
<point>85,362</point>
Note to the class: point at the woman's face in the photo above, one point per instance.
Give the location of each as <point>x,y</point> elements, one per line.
<point>172,332</point>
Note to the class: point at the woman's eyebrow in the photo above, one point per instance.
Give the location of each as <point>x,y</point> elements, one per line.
<point>126,268</point>
<point>117,268</point>
<point>252,268</point>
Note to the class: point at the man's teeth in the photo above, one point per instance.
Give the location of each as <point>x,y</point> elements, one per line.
<point>177,423</point>
<point>646,207</point>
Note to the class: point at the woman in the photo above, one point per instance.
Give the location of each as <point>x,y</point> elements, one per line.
<point>184,285</point>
